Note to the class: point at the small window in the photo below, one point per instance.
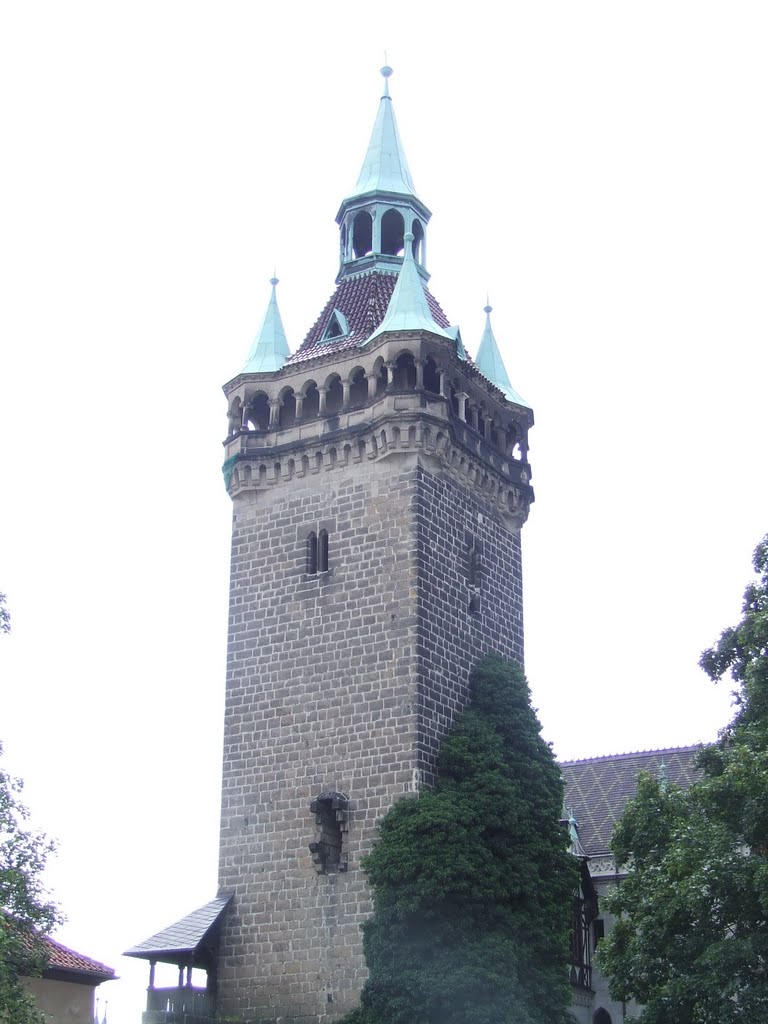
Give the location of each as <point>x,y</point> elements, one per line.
<point>337,327</point>
<point>312,554</point>
<point>598,931</point>
<point>322,551</point>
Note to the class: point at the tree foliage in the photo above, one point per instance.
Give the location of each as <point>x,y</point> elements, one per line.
<point>26,913</point>
<point>692,942</point>
<point>472,884</point>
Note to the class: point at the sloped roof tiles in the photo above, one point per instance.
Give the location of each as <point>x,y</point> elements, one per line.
<point>597,788</point>
<point>363,299</point>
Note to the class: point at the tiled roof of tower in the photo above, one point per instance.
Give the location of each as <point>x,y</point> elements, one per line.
<point>363,299</point>
<point>62,958</point>
<point>597,788</point>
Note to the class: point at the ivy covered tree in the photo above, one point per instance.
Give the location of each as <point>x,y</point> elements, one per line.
<point>691,944</point>
<point>472,885</point>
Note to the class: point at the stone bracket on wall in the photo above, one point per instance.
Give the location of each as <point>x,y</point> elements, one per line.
<point>331,811</point>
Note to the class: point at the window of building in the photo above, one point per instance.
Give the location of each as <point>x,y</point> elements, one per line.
<point>317,552</point>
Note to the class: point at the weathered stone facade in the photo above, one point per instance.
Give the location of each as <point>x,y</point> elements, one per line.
<point>341,681</point>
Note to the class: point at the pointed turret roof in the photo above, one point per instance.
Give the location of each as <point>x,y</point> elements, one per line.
<point>491,365</point>
<point>270,347</point>
<point>408,308</point>
<point>385,168</point>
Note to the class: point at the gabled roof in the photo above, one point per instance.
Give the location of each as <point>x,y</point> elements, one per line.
<point>65,961</point>
<point>363,299</point>
<point>182,939</point>
<point>385,168</point>
<point>597,788</point>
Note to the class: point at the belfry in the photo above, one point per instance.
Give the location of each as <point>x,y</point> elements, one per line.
<point>379,479</point>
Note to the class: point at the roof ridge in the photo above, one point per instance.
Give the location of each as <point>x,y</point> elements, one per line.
<point>633,753</point>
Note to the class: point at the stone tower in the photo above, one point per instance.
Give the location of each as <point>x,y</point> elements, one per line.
<point>379,479</point>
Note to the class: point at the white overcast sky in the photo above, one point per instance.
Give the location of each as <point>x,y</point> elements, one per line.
<point>600,169</point>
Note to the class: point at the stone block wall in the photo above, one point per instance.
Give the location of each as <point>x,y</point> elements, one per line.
<point>341,681</point>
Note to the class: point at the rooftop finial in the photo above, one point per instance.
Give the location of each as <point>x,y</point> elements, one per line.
<point>386,72</point>
<point>487,308</point>
<point>274,280</point>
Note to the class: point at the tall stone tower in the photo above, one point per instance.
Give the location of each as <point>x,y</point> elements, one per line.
<point>379,478</point>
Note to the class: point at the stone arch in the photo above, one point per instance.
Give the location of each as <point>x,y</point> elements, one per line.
<point>358,388</point>
<point>235,416</point>
<point>395,438</point>
<point>362,234</point>
<point>601,1017</point>
<point>405,372</point>
<point>381,375</point>
<point>287,410</point>
<point>412,434</point>
<point>431,376</point>
<point>334,394</point>
<point>290,468</point>
<point>392,233</point>
<point>257,412</point>
<point>311,405</point>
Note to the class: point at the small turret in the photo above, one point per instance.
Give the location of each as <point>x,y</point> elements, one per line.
<point>270,346</point>
<point>491,365</point>
<point>383,207</point>
<point>408,309</point>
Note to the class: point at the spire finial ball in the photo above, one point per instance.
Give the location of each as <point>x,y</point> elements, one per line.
<point>386,71</point>
<point>488,309</point>
<point>273,281</point>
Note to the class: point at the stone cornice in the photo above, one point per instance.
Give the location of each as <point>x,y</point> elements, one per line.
<point>504,482</point>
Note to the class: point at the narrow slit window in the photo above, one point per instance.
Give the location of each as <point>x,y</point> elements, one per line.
<point>312,554</point>
<point>322,551</point>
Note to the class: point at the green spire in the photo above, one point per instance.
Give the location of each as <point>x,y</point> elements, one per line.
<point>385,168</point>
<point>270,347</point>
<point>408,309</point>
<point>490,363</point>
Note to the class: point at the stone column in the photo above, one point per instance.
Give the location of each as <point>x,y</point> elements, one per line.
<point>443,382</point>
<point>299,405</point>
<point>323,392</point>
<point>462,397</point>
<point>274,411</point>
<point>373,379</point>
<point>419,374</point>
<point>345,384</point>
<point>390,375</point>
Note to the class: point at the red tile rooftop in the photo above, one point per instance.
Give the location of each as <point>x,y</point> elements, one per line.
<point>65,959</point>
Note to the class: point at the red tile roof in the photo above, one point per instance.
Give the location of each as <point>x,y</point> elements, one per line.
<point>363,299</point>
<point>63,958</point>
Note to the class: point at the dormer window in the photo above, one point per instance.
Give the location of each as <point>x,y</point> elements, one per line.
<point>337,327</point>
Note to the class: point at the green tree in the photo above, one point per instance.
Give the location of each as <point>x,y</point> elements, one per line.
<point>26,913</point>
<point>472,884</point>
<point>691,944</point>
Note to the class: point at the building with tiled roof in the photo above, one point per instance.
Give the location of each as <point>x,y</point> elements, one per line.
<point>597,790</point>
<point>65,992</point>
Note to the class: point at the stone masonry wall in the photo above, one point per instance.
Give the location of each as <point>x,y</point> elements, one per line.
<point>342,681</point>
<point>320,697</point>
<point>464,611</point>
